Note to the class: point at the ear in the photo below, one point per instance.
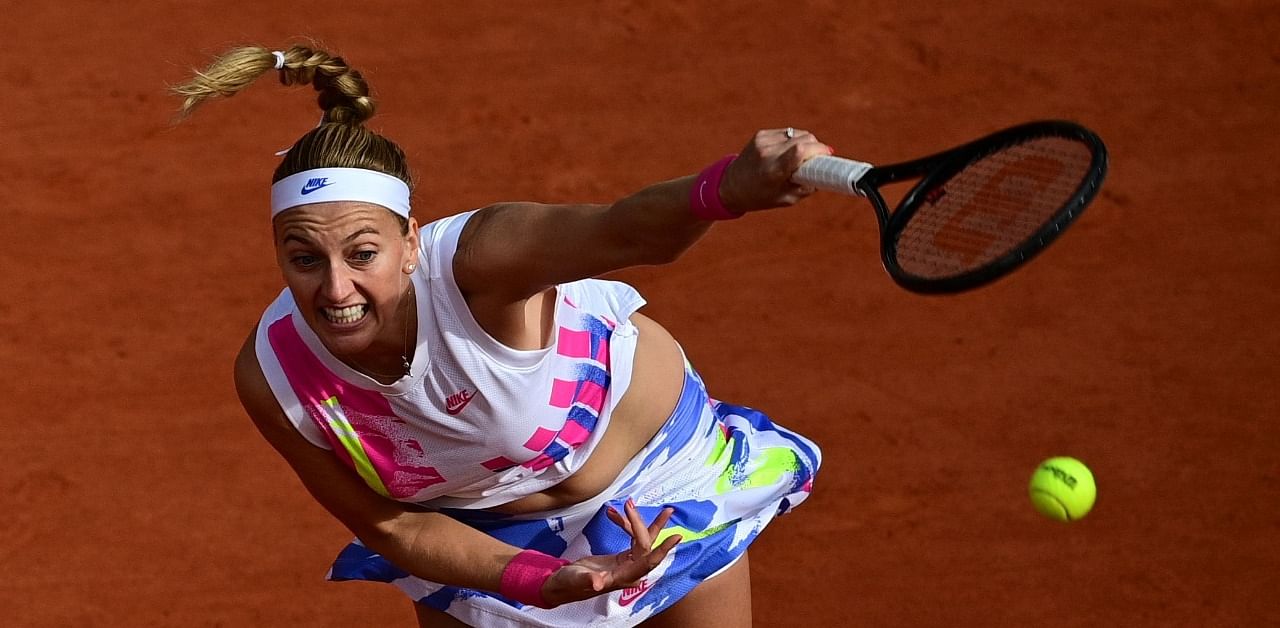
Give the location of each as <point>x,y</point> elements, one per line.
<point>411,247</point>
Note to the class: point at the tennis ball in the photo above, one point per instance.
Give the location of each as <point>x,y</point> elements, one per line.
<point>1062,488</point>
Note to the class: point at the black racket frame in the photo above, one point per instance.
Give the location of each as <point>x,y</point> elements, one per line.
<point>938,168</point>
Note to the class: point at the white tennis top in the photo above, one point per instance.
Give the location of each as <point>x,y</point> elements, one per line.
<point>476,423</point>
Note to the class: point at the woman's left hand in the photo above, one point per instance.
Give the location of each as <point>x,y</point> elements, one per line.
<point>760,178</point>
<point>593,575</point>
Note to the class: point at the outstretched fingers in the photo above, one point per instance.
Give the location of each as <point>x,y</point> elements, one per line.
<point>592,575</point>
<point>618,520</point>
<point>641,534</point>
<point>659,553</point>
<point>660,522</point>
<point>645,554</point>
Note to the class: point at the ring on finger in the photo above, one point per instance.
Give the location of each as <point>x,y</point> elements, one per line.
<point>790,133</point>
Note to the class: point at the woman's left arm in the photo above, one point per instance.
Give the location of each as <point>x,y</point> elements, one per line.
<point>514,250</point>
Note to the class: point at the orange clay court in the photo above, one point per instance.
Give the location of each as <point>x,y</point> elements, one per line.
<point>137,255</point>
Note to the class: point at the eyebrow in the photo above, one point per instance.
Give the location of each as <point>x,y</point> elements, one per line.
<point>304,241</point>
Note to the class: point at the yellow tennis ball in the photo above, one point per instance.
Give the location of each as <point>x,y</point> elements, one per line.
<point>1062,488</point>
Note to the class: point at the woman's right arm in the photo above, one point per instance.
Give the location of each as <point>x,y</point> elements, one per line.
<point>430,545</point>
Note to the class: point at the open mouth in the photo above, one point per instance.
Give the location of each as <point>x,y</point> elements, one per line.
<point>345,315</point>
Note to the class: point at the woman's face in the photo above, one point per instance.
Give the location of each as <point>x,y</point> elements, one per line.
<point>347,265</point>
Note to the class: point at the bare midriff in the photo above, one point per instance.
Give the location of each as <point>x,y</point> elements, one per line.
<point>656,381</point>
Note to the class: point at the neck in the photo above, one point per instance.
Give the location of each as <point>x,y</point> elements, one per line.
<point>389,357</point>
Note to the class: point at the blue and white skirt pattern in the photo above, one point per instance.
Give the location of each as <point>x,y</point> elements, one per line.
<point>726,470</point>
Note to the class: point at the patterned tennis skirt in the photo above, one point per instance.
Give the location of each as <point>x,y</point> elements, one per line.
<point>726,470</point>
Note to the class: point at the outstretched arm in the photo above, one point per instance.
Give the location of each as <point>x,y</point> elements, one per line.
<point>429,545</point>
<point>511,251</point>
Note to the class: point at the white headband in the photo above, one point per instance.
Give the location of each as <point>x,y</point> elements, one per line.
<point>324,185</point>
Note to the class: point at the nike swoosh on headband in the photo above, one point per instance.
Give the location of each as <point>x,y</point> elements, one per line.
<point>358,184</point>
<point>315,184</point>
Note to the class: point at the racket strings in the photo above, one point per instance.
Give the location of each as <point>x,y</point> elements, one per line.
<point>992,206</point>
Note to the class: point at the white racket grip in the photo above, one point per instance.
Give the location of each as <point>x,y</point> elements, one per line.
<point>834,174</point>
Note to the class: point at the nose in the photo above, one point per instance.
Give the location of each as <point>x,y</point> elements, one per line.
<point>337,284</point>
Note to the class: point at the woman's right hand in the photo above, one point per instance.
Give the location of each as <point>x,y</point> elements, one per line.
<point>760,178</point>
<point>593,575</point>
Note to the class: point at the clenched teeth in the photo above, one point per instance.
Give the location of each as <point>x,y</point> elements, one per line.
<point>345,315</point>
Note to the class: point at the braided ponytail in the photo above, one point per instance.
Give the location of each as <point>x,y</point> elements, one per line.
<point>343,94</point>
<point>340,141</point>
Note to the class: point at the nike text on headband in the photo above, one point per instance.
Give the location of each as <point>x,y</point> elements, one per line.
<point>324,185</point>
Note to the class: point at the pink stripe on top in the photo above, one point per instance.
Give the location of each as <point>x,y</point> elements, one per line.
<point>573,434</point>
<point>539,463</point>
<point>498,464</point>
<point>540,439</point>
<point>574,343</point>
<point>591,395</point>
<point>397,458</point>
<point>562,393</point>
<point>312,380</point>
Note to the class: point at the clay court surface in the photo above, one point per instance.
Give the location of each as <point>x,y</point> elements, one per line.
<point>138,255</point>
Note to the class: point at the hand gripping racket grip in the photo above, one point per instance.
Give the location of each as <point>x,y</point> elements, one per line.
<point>833,174</point>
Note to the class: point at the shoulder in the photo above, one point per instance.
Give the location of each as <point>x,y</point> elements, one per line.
<point>254,391</point>
<point>506,248</point>
<point>480,227</point>
<point>447,229</point>
<point>487,247</point>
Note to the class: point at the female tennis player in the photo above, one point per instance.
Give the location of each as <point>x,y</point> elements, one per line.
<point>511,442</point>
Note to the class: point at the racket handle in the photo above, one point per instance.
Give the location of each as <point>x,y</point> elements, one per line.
<point>833,174</point>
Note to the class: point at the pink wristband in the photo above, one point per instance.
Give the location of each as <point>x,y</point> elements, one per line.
<point>704,198</point>
<point>523,577</point>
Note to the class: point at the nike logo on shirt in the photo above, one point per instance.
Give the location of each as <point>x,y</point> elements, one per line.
<point>454,403</point>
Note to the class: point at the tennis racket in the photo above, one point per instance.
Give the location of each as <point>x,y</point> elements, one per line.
<point>980,210</point>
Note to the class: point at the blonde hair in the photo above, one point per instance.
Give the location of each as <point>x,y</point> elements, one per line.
<point>340,141</point>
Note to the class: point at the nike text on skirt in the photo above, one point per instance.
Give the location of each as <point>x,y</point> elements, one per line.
<point>725,469</point>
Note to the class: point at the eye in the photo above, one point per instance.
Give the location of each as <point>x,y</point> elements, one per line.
<point>305,261</point>
<point>364,257</point>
